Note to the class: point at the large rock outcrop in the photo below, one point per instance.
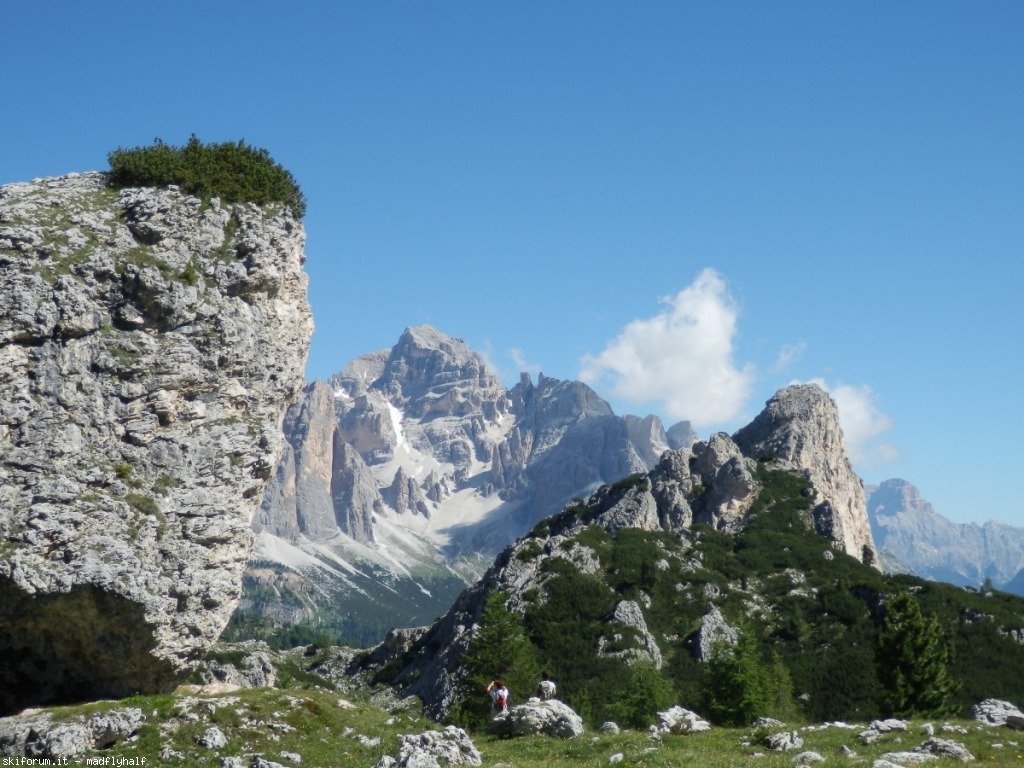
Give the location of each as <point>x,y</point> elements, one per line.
<point>799,429</point>
<point>149,345</point>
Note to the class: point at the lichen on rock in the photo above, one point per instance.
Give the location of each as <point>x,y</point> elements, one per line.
<point>149,345</point>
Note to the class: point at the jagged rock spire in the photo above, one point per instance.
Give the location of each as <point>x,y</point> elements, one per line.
<point>799,429</point>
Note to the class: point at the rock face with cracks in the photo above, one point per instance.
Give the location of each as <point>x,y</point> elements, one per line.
<point>149,345</point>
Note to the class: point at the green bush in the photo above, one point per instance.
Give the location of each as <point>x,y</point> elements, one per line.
<point>233,171</point>
<point>529,550</point>
<point>145,504</point>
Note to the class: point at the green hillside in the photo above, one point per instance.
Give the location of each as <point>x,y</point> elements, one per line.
<point>823,636</point>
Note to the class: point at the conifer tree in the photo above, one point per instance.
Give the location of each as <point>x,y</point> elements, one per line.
<point>913,657</point>
<point>738,685</point>
<point>501,650</point>
<point>645,694</point>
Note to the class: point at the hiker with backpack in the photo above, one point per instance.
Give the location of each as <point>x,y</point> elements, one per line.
<point>499,697</point>
<point>546,688</point>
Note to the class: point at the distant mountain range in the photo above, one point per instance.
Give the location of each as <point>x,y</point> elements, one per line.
<point>408,471</point>
<point>913,538</point>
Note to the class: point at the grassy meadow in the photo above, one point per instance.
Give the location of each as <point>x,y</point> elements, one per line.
<point>352,729</point>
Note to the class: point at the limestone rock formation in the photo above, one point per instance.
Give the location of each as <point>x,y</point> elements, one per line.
<point>681,436</point>
<point>799,429</point>
<point>300,490</point>
<point>149,345</point>
<point>728,476</point>
<point>34,739</point>
<point>713,630</point>
<point>645,648</point>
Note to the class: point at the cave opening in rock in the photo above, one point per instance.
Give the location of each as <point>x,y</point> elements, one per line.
<point>80,645</point>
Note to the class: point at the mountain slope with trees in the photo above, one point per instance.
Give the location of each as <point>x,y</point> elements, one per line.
<point>765,618</point>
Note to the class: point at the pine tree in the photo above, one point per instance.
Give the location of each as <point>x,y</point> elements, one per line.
<point>738,685</point>
<point>646,693</point>
<point>499,650</point>
<point>913,657</point>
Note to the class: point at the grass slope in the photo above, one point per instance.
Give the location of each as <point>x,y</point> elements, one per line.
<point>330,725</point>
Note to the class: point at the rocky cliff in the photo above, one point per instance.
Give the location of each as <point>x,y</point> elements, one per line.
<point>799,428</point>
<point>149,345</point>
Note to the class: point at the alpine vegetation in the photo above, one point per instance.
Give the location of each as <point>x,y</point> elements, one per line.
<point>235,172</point>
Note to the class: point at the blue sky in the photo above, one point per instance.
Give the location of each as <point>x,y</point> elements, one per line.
<point>690,205</point>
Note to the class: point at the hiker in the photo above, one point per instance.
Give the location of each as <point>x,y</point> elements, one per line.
<point>546,688</point>
<point>499,697</point>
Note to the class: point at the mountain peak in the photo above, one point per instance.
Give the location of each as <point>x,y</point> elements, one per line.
<point>428,337</point>
<point>425,427</point>
<point>428,370</point>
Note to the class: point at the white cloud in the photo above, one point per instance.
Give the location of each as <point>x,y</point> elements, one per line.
<point>862,423</point>
<point>522,364</point>
<point>681,358</point>
<point>788,355</point>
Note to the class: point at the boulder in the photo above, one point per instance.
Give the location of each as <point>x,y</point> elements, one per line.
<point>879,728</point>
<point>433,749</point>
<point>945,748</point>
<point>784,741</point>
<point>995,712</point>
<point>551,718</point>
<point>907,758</point>
<point>680,720</point>
<point>254,670</point>
<point>149,345</point>
<point>807,758</point>
<point>213,738</point>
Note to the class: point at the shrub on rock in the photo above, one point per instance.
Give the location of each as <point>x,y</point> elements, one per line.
<point>236,172</point>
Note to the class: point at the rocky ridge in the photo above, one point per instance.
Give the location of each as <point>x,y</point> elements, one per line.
<point>713,483</point>
<point>149,344</point>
